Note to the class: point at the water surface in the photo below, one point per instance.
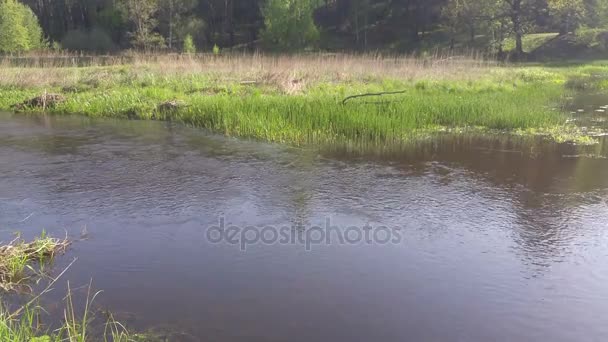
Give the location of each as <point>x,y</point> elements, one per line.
<point>503,238</point>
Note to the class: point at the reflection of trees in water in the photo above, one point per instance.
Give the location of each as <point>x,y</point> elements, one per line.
<point>556,189</point>
<point>550,186</point>
<point>301,186</point>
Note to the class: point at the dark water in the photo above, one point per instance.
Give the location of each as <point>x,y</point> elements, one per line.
<point>502,238</point>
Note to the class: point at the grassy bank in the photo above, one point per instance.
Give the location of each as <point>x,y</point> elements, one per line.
<point>299,99</point>
<point>23,264</point>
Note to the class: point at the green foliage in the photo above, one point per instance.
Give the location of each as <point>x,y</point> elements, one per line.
<point>189,46</point>
<point>216,49</point>
<point>143,22</point>
<point>19,28</point>
<point>56,46</point>
<point>289,24</point>
<point>569,13</point>
<point>96,40</point>
<point>592,38</point>
<point>112,21</point>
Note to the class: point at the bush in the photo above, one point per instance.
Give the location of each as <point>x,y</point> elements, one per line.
<point>96,40</point>
<point>289,24</point>
<point>592,38</point>
<point>19,28</point>
<point>189,46</point>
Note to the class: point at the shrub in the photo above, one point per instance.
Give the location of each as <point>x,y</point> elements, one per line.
<point>189,46</point>
<point>289,24</point>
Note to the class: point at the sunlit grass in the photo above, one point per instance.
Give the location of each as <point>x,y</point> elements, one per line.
<point>18,259</point>
<point>298,99</point>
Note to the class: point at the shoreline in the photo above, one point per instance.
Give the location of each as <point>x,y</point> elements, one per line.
<point>299,100</point>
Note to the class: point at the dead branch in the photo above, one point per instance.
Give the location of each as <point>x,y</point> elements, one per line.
<point>373,94</point>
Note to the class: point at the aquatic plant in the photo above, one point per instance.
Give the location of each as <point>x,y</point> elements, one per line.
<point>19,259</point>
<point>24,324</point>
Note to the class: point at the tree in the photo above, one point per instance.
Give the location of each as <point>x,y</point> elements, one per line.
<point>463,14</point>
<point>522,15</point>
<point>569,14</point>
<point>189,46</point>
<point>142,15</point>
<point>19,28</point>
<point>176,20</point>
<point>360,15</point>
<point>515,11</point>
<point>289,24</point>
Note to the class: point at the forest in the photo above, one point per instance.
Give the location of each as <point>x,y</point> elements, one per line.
<point>400,26</point>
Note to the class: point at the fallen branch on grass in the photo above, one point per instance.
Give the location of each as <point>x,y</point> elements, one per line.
<point>373,94</point>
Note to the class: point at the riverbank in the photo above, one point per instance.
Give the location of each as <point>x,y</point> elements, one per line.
<point>23,265</point>
<point>300,99</point>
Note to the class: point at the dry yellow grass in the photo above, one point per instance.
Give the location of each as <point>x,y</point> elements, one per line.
<point>291,73</point>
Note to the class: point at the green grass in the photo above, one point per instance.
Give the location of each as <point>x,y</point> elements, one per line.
<point>530,42</point>
<point>19,259</point>
<point>25,323</point>
<point>304,107</point>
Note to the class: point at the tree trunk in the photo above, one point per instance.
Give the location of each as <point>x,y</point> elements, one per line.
<point>170,24</point>
<point>517,26</point>
<point>472,35</point>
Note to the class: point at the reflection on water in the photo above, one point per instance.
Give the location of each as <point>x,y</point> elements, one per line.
<point>590,111</point>
<point>504,238</point>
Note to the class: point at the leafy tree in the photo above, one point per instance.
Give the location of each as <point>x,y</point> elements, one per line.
<point>463,15</point>
<point>34,31</point>
<point>360,13</point>
<point>289,24</point>
<point>189,46</point>
<point>515,11</point>
<point>569,13</point>
<point>176,20</point>
<point>112,20</point>
<point>19,28</point>
<point>521,14</point>
<point>142,15</point>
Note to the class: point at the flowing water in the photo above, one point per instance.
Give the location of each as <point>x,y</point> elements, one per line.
<point>492,238</point>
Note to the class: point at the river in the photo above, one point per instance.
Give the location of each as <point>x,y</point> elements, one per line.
<point>492,238</point>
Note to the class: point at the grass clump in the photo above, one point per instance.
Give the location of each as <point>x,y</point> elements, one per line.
<point>19,259</point>
<point>26,325</point>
